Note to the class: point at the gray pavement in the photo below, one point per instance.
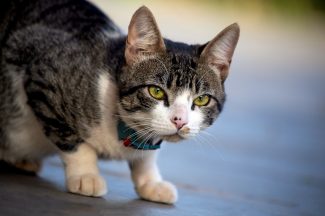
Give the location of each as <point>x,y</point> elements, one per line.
<point>264,156</point>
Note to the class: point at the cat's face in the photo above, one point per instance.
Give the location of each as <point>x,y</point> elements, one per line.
<point>172,92</point>
<point>172,95</point>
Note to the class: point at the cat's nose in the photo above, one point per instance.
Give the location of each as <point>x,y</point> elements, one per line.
<point>178,122</point>
<point>179,119</point>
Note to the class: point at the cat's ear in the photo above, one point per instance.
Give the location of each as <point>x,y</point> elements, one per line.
<point>217,54</point>
<point>144,37</point>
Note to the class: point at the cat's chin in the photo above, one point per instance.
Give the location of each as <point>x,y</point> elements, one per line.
<point>172,138</point>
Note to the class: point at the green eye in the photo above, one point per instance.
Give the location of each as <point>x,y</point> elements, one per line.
<point>156,92</point>
<point>202,100</point>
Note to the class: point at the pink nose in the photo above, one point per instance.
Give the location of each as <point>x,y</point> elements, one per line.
<point>178,122</point>
<point>179,119</point>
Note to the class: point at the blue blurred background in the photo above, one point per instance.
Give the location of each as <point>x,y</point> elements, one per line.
<point>266,153</point>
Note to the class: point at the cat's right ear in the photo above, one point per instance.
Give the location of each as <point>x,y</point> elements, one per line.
<point>144,38</point>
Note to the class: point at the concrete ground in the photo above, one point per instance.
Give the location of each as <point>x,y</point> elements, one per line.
<point>264,156</point>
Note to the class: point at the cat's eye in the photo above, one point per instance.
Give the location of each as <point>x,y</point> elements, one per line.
<point>156,92</point>
<point>202,100</point>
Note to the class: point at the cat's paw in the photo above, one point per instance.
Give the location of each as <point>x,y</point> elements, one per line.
<point>32,167</point>
<point>163,192</point>
<point>88,185</point>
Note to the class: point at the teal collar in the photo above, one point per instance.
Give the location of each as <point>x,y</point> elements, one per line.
<point>130,138</point>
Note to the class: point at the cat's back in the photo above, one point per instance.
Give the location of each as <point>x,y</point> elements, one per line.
<point>71,16</point>
<point>33,28</point>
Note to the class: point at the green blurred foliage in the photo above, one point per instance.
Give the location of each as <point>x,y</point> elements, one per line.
<point>293,7</point>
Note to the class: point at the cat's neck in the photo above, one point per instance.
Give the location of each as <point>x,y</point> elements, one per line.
<point>131,138</point>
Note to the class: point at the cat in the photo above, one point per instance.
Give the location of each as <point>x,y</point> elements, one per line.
<point>72,83</point>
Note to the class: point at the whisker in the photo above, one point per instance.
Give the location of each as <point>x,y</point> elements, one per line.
<point>208,141</point>
<point>127,116</point>
<point>144,142</point>
<point>139,124</point>
<point>137,133</point>
<point>197,141</point>
<point>142,134</point>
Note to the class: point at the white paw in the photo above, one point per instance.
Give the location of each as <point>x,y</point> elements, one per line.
<point>163,192</point>
<point>88,185</point>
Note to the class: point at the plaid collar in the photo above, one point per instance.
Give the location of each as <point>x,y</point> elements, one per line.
<point>130,138</point>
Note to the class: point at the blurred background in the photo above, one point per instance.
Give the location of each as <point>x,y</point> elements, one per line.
<point>266,153</point>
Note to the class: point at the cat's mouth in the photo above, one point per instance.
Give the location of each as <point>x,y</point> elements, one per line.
<point>178,136</point>
<point>172,138</point>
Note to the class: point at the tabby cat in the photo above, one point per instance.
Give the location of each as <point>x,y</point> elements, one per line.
<point>72,83</point>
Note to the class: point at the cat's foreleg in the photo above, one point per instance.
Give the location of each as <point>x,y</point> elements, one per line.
<point>148,181</point>
<point>82,173</point>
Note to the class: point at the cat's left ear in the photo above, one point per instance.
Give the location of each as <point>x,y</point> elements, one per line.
<point>144,38</point>
<point>217,54</point>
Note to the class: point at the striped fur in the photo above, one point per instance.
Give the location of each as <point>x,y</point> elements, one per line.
<point>67,74</point>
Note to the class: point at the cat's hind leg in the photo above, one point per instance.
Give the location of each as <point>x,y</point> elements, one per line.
<point>22,141</point>
<point>25,144</point>
<point>28,166</point>
<point>21,167</point>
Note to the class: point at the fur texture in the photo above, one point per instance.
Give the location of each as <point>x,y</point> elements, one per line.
<point>68,75</point>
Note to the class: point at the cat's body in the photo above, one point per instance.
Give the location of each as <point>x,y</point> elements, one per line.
<point>68,75</point>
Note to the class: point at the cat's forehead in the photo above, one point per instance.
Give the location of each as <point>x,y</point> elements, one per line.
<point>183,72</point>
<point>175,73</point>
<point>183,62</point>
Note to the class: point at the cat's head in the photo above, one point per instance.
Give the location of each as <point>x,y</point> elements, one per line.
<point>172,90</point>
